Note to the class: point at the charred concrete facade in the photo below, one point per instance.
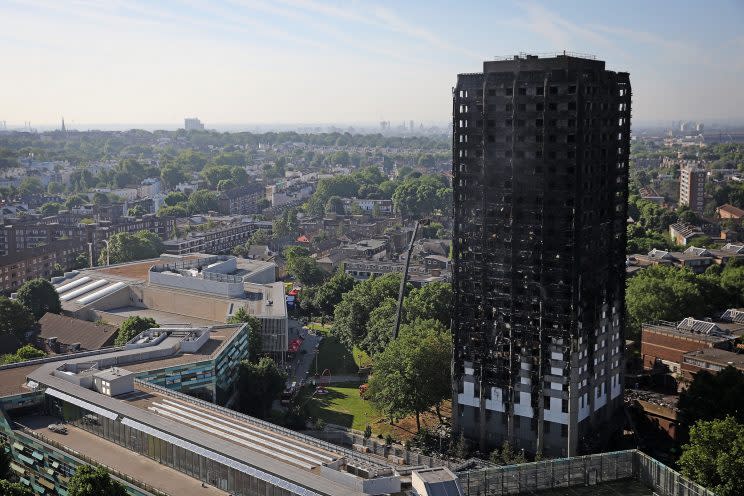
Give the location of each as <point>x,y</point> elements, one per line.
<point>540,167</point>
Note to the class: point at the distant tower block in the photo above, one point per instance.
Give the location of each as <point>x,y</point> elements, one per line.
<point>63,125</point>
<point>193,124</point>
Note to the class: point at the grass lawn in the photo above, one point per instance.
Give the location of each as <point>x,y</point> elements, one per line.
<point>323,329</point>
<point>343,406</point>
<point>335,357</point>
<point>361,358</point>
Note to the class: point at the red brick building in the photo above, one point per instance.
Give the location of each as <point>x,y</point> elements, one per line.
<point>663,344</point>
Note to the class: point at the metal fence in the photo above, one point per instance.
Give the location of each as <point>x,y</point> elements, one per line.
<point>663,479</point>
<point>83,459</point>
<point>578,471</point>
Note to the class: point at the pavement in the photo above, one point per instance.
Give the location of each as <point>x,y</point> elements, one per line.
<point>303,364</point>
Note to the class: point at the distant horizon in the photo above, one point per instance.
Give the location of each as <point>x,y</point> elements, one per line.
<point>279,61</point>
<point>309,127</point>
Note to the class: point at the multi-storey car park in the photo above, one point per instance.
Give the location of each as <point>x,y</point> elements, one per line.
<point>540,169</point>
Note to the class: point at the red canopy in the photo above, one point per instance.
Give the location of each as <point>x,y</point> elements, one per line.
<point>294,292</point>
<point>303,239</point>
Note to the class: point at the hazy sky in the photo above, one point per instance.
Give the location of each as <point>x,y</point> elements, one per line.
<point>309,61</point>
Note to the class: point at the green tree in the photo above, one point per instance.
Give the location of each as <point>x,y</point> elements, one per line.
<point>329,294</point>
<point>202,201</point>
<point>94,481</point>
<point>22,354</point>
<point>50,208</point>
<point>703,400</point>
<point>714,457</point>
<point>175,198</point>
<point>39,296</point>
<point>191,160</point>
<point>100,199</point>
<point>507,456</point>
<point>732,281</point>
<point>255,340</point>
<point>171,175</point>
<point>666,293</point>
<point>136,211</point>
<point>431,301</point>
<point>306,270</point>
<point>421,196</point>
<point>341,186</point>
<point>75,201</point>
<point>131,327</point>
<point>409,376</point>
<point>351,315</point>
<point>30,186</point>
<point>335,205</point>
<point>14,317</point>
<point>174,211</point>
<point>8,488</point>
<point>127,247</point>
<point>379,328</point>
<point>259,384</point>
<point>213,174</point>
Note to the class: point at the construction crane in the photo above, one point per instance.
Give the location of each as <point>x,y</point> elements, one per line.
<point>404,277</point>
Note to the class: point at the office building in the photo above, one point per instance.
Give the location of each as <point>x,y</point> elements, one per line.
<point>692,186</point>
<point>540,168</point>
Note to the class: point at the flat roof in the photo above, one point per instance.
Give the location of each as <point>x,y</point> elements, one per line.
<point>717,356</point>
<point>164,319</point>
<point>141,468</point>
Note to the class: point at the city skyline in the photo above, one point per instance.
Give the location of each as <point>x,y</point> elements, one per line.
<point>239,62</point>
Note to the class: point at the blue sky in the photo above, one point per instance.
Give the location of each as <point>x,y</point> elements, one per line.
<point>313,61</point>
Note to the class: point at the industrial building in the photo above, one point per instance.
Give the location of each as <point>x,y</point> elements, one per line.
<point>540,172</point>
<point>195,289</point>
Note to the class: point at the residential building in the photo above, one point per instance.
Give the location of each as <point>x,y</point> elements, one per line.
<point>217,240</point>
<point>682,232</point>
<point>692,186</point>
<point>728,211</point>
<point>242,200</point>
<point>193,124</point>
<point>369,249</point>
<point>368,206</point>
<point>540,172</point>
<point>39,261</point>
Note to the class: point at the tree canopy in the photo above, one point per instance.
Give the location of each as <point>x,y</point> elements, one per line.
<point>93,481</point>
<point>259,384</point>
<point>408,375</point>
<point>127,247</point>
<point>702,400</point>
<point>40,297</point>
<point>255,341</point>
<point>14,318</point>
<point>8,488</point>
<point>22,354</point>
<point>417,197</point>
<point>714,457</point>
<point>132,326</point>
<point>667,293</point>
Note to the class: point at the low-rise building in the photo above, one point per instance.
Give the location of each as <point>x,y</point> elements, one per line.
<point>178,290</point>
<point>728,211</point>
<point>711,360</point>
<point>61,334</point>
<point>219,239</point>
<point>663,344</point>
<point>682,232</point>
